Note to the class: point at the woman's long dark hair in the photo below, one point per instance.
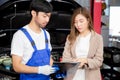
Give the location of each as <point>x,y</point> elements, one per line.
<point>74,32</point>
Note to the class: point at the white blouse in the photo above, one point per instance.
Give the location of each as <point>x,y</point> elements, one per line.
<point>81,51</point>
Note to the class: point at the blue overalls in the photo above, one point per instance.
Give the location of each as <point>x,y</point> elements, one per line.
<point>39,58</point>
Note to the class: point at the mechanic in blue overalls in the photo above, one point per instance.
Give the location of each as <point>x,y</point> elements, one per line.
<point>30,47</point>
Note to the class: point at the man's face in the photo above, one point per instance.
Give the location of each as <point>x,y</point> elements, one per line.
<point>41,19</point>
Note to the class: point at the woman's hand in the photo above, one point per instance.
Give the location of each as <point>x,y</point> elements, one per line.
<point>82,61</point>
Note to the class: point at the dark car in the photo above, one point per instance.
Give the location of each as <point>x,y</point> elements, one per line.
<point>14,14</point>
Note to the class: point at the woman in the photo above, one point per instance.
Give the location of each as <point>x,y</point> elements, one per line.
<point>83,45</point>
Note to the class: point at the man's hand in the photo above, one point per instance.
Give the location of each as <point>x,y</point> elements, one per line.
<point>46,70</point>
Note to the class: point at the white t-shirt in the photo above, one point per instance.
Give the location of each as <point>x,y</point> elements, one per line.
<point>81,51</point>
<point>21,46</point>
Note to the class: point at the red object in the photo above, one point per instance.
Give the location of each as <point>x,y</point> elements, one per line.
<point>97,13</point>
<point>60,59</point>
<point>102,77</point>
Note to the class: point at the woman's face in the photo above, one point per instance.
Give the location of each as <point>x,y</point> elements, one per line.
<point>81,23</point>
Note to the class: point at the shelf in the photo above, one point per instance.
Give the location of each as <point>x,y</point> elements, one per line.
<point>10,72</point>
<point>112,74</point>
<point>109,62</point>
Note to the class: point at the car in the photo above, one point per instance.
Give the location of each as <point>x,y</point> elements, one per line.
<point>15,14</point>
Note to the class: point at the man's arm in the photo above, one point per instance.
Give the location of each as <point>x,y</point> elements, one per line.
<point>19,67</point>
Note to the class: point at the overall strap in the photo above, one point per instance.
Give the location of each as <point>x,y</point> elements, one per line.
<point>29,37</point>
<point>46,39</point>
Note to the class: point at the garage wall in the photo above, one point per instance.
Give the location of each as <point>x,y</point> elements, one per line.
<point>105,28</point>
<point>85,3</point>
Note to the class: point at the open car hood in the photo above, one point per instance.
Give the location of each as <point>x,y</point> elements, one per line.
<point>14,14</point>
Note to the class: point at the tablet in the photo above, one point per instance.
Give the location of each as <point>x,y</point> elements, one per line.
<point>64,66</point>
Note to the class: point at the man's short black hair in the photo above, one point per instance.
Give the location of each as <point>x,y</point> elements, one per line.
<point>41,6</point>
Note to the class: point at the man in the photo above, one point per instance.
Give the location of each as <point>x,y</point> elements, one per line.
<point>30,47</point>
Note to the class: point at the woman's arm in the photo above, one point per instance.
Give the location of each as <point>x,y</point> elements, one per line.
<point>97,60</point>
<point>67,55</point>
